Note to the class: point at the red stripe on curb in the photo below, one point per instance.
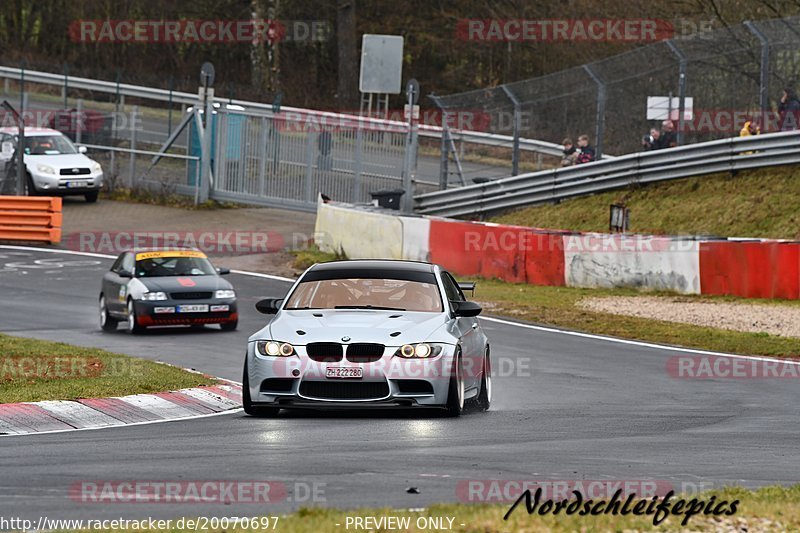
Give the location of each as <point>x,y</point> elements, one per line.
<point>186,402</point>
<point>29,418</point>
<point>234,394</point>
<point>120,410</point>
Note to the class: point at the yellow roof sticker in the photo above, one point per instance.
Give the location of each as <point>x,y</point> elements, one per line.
<point>169,253</point>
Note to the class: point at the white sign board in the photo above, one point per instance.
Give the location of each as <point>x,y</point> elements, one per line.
<point>661,108</point>
<point>381,64</point>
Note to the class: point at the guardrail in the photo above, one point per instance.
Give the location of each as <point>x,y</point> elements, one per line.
<point>322,117</point>
<point>546,186</point>
<point>30,218</point>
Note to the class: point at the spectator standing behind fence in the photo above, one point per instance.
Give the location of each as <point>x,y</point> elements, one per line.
<point>569,153</point>
<point>586,153</point>
<point>653,140</point>
<point>750,127</point>
<point>668,137</point>
<point>788,110</point>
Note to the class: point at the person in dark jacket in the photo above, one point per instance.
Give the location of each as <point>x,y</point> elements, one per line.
<point>788,110</point>
<point>586,153</point>
<point>668,137</point>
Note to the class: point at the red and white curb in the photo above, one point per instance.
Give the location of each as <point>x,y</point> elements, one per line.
<point>94,413</point>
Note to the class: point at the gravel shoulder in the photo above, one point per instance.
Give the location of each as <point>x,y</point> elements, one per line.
<point>773,319</point>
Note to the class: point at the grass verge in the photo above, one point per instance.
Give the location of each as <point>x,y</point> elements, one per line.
<point>757,203</point>
<point>557,306</point>
<point>33,370</point>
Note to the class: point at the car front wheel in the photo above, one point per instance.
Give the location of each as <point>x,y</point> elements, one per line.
<point>133,322</point>
<point>247,403</point>
<point>107,322</point>
<point>455,390</point>
<point>484,399</point>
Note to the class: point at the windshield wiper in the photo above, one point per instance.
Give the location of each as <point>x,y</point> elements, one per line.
<point>300,308</point>
<point>369,307</point>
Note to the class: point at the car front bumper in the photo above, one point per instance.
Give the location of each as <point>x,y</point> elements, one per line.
<point>65,185</point>
<point>300,382</point>
<point>168,313</point>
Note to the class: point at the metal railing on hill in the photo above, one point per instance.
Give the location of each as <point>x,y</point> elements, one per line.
<point>724,155</point>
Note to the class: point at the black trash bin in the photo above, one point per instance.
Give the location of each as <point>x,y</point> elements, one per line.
<point>388,198</point>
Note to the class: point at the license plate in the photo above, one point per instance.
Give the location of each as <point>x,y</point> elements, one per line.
<point>197,308</point>
<point>349,372</point>
<point>75,184</point>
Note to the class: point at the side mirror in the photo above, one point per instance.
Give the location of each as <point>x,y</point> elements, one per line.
<point>269,306</point>
<point>81,149</point>
<point>223,271</point>
<point>466,308</point>
<point>125,273</point>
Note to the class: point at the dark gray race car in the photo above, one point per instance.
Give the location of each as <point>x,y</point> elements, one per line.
<point>166,288</point>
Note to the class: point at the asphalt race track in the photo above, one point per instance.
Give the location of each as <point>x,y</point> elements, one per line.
<point>565,408</point>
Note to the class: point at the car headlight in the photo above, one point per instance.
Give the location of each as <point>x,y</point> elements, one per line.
<point>96,167</point>
<point>423,350</point>
<point>275,348</point>
<point>225,293</point>
<point>153,296</point>
<point>45,169</point>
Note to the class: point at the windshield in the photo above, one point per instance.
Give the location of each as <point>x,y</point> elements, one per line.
<point>390,294</point>
<point>173,266</point>
<point>49,145</point>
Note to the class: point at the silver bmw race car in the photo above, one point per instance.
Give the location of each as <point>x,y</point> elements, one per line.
<point>369,333</point>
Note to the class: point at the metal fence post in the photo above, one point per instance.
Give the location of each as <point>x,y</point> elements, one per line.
<point>311,137</point>
<point>357,170</point>
<point>444,159</point>
<point>169,116</point>
<point>763,89</point>
<point>66,84</point>
<point>134,112</point>
<point>600,120</point>
<point>517,124</point>
<point>208,129</point>
<point>21,142</point>
<point>79,121</point>
<point>681,87</point>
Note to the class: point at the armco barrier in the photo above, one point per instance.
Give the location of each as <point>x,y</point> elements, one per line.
<point>762,269</point>
<point>30,218</point>
<point>751,269</point>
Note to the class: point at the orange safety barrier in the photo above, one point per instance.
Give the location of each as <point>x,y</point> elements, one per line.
<point>510,253</point>
<point>750,269</point>
<point>30,218</point>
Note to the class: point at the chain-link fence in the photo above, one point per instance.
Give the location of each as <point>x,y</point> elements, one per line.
<point>731,75</point>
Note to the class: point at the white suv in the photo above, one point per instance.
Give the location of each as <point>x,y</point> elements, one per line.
<point>55,165</point>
